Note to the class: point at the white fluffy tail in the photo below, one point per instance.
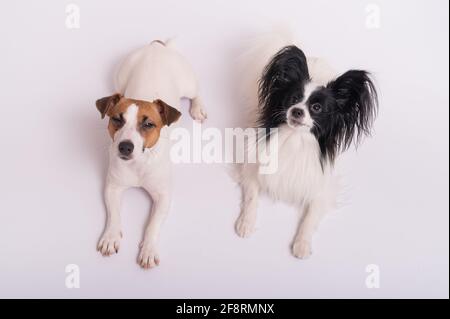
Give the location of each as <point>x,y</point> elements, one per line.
<point>260,50</point>
<point>320,71</point>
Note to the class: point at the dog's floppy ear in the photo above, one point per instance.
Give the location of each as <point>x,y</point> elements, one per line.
<point>357,105</point>
<point>169,114</point>
<point>288,67</point>
<point>106,103</point>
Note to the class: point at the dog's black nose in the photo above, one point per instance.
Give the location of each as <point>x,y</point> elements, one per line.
<point>298,113</point>
<point>126,148</point>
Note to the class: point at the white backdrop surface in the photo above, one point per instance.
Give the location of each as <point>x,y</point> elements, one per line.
<point>54,155</point>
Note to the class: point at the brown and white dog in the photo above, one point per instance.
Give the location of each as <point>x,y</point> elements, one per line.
<point>150,84</point>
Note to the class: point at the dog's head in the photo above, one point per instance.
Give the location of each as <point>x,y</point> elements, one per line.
<point>135,125</point>
<point>336,114</point>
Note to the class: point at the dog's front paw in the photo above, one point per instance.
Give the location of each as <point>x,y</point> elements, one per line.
<point>302,249</point>
<point>198,114</point>
<point>109,244</point>
<point>148,257</point>
<point>245,226</point>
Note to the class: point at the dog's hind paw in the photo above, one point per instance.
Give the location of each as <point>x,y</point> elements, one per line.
<point>197,112</point>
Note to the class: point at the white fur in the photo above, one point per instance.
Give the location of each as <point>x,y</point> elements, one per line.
<point>153,72</point>
<point>158,71</point>
<point>307,121</point>
<point>300,179</point>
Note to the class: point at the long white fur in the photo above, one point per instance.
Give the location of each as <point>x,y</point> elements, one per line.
<point>154,72</point>
<point>300,179</point>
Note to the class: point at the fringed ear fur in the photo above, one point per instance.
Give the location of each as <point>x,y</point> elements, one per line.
<point>356,108</point>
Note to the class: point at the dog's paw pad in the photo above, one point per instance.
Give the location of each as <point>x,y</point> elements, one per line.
<point>109,244</point>
<point>148,258</point>
<point>302,249</point>
<point>245,226</point>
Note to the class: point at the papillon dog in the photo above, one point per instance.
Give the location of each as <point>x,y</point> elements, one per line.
<point>314,115</point>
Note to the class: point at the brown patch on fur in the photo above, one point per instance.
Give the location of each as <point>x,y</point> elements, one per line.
<point>156,114</point>
<point>104,104</point>
<point>149,112</point>
<point>169,114</point>
<point>116,112</point>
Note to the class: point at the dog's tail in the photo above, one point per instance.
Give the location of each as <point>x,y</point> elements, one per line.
<point>258,52</point>
<point>169,43</point>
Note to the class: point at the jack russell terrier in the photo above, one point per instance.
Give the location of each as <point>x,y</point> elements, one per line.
<point>150,84</point>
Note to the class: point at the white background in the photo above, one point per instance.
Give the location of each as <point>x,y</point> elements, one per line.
<point>54,155</point>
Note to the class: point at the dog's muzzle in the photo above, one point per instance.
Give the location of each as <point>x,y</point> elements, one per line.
<point>297,117</point>
<point>125,150</point>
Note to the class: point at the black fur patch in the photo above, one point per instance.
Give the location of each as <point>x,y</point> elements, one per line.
<point>281,86</point>
<point>349,107</point>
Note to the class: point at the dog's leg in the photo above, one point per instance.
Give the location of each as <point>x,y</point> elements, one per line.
<point>190,90</point>
<point>245,225</point>
<point>148,256</point>
<point>109,243</point>
<point>197,112</point>
<point>313,214</point>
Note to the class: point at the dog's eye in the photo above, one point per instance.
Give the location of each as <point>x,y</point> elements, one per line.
<point>148,125</point>
<point>295,100</point>
<point>117,121</point>
<point>316,108</point>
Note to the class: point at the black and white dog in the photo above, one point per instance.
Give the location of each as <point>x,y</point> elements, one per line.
<point>316,116</point>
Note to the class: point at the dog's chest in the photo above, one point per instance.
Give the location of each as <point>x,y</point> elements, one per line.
<point>131,174</point>
<point>299,175</point>
<point>151,169</point>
